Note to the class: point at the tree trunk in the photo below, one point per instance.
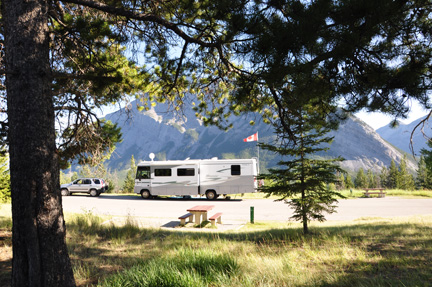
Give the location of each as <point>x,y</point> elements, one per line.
<point>304,214</point>
<point>40,255</point>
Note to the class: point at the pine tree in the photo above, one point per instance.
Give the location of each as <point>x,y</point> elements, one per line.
<point>384,177</point>
<point>129,183</point>
<point>371,182</point>
<point>341,183</point>
<point>405,179</point>
<point>377,180</point>
<point>302,181</point>
<point>361,179</point>
<point>427,157</point>
<point>70,60</point>
<point>422,179</point>
<point>393,177</point>
<point>349,183</point>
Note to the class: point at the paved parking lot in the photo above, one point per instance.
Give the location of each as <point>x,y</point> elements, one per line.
<point>165,212</point>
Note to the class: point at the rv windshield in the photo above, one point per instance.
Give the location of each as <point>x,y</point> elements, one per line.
<point>143,172</point>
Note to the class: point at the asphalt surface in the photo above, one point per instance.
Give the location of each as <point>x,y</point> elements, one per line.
<point>237,211</point>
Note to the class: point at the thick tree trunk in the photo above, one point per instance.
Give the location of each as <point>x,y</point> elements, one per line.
<point>40,255</point>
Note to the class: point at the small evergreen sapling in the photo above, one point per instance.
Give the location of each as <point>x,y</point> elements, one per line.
<point>303,179</point>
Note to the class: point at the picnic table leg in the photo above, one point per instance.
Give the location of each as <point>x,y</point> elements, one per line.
<point>204,216</point>
<point>192,219</point>
<point>197,217</point>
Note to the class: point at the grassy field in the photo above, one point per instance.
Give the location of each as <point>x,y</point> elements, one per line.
<point>366,252</point>
<point>355,193</point>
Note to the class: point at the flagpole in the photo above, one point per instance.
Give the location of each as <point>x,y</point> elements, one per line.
<point>258,154</point>
<point>253,138</point>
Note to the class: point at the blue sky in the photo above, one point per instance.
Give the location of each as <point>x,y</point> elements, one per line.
<point>378,120</point>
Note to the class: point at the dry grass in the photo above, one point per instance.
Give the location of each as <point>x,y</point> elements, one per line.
<point>365,252</point>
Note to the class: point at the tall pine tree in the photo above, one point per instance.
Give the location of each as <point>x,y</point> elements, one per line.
<point>361,180</point>
<point>405,179</point>
<point>348,182</point>
<point>129,183</point>
<point>384,177</point>
<point>422,180</point>
<point>393,176</point>
<point>427,158</point>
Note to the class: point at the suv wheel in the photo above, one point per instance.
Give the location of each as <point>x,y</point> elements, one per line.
<point>65,192</point>
<point>93,192</point>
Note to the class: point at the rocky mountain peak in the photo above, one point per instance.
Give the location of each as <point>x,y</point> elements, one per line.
<point>173,137</point>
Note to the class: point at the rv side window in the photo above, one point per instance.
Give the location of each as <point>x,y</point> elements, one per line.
<point>162,172</point>
<point>235,170</point>
<point>185,172</point>
<point>143,172</point>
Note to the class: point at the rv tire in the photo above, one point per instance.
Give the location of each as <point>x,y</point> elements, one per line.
<point>145,194</point>
<point>211,195</point>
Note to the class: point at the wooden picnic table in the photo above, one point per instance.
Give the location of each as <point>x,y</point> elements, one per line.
<point>199,210</point>
<point>379,191</point>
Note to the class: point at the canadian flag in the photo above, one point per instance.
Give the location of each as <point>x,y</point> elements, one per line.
<point>252,138</point>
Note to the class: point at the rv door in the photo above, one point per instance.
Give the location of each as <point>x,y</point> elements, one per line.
<point>142,179</point>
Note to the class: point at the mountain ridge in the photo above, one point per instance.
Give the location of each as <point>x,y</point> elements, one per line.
<point>400,136</point>
<point>184,136</point>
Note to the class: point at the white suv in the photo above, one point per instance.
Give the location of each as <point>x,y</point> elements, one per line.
<point>92,186</point>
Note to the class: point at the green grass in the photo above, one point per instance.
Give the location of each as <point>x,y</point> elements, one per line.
<point>355,193</point>
<point>364,252</point>
<point>185,267</point>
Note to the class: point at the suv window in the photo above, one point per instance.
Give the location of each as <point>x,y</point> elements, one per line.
<point>97,181</point>
<point>87,181</point>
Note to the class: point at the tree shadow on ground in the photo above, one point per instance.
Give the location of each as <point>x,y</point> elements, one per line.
<point>404,257</point>
<point>396,254</point>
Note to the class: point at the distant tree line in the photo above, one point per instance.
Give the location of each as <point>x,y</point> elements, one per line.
<point>393,177</point>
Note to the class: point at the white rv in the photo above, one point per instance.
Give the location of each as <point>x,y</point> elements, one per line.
<point>209,177</point>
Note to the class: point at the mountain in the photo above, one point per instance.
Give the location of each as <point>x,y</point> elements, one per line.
<point>185,136</point>
<point>363,148</point>
<point>171,137</point>
<point>400,136</point>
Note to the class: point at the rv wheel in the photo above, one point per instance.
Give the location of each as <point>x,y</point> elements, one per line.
<point>211,195</point>
<point>145,194</point>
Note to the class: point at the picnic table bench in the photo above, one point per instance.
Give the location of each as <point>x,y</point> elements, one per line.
<point>184,217</point>
<point>379,191</point>
<point>218,217</point>
<point>200,211</point>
